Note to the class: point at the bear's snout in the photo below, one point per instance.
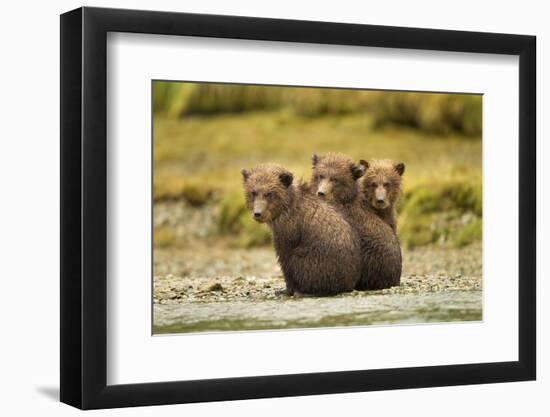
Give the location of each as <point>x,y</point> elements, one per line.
<point>258,215</point>
<point>324,189</point>
<point>380,202</point>
<point>260,210</point>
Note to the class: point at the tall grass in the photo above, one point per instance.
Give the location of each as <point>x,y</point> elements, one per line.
<point>432,113</point>
<point>208,99</point>
<point>446,211</point>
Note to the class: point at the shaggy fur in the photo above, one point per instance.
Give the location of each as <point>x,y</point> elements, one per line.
<point>334,178</point>
<point>317,249</point>
<point>381,187</point>
<point>380,250</point>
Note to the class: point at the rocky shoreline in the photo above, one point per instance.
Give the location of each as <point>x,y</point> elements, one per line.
<point>215,290</point>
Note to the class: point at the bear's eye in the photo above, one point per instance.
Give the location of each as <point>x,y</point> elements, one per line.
<point>267,195</point>
<point>253,194</point>
<point>374,185</point>
<point>321,177</point>
<point>386,184</point>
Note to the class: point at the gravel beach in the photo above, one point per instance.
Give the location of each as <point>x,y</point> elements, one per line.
<point>210,289</point>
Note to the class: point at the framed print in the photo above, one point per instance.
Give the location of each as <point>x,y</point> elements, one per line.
<point>256,208</point>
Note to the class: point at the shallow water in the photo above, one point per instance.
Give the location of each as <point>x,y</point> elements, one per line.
<point>211,290</point>
<point>357,309</point>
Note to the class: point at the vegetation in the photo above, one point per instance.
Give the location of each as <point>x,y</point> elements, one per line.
<point>445,211</point>
<point>431,112</point>
<point>205,133</point>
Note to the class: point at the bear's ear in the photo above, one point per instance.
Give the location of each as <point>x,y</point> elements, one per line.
<point>315,159</point>
<point>357,171</point>
<point>364,164</point>
<point>245,174</point>
<point>286,179</point>
<point>400,168</point>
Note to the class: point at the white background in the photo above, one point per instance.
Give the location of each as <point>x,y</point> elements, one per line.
<point>30,206</point>
<point>134,356</point>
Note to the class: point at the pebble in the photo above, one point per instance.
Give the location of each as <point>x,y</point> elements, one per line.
<point>190,275</point>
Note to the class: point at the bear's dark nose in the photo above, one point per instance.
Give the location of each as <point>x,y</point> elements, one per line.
<point>257,214</point>
<point>380,200</point>
<point>320,193</point>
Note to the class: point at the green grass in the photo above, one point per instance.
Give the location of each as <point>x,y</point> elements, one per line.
<point>429,112</point>
<point>198,159</point>
<point>447,210</point>
<point>215,148</point>
<point>472,232</point>
<point>177,187</point>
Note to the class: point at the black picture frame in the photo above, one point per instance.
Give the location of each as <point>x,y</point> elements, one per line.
<point>84,207</point>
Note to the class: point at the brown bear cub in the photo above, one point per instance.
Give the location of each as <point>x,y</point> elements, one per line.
<point>334,179</point>
<point>317,249</point>
<point>381,187</point>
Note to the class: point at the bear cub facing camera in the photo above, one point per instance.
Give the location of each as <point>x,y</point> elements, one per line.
<point>317,249</point>
<point>335,179</point>
<point>381,187</point>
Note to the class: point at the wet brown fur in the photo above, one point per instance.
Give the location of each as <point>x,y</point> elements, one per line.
<point>317,249</point>
<point>381,187</point>
<point>380,249</point>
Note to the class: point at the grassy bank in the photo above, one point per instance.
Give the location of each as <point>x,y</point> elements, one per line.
<point>429,112</point>
<point>197,162</point>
